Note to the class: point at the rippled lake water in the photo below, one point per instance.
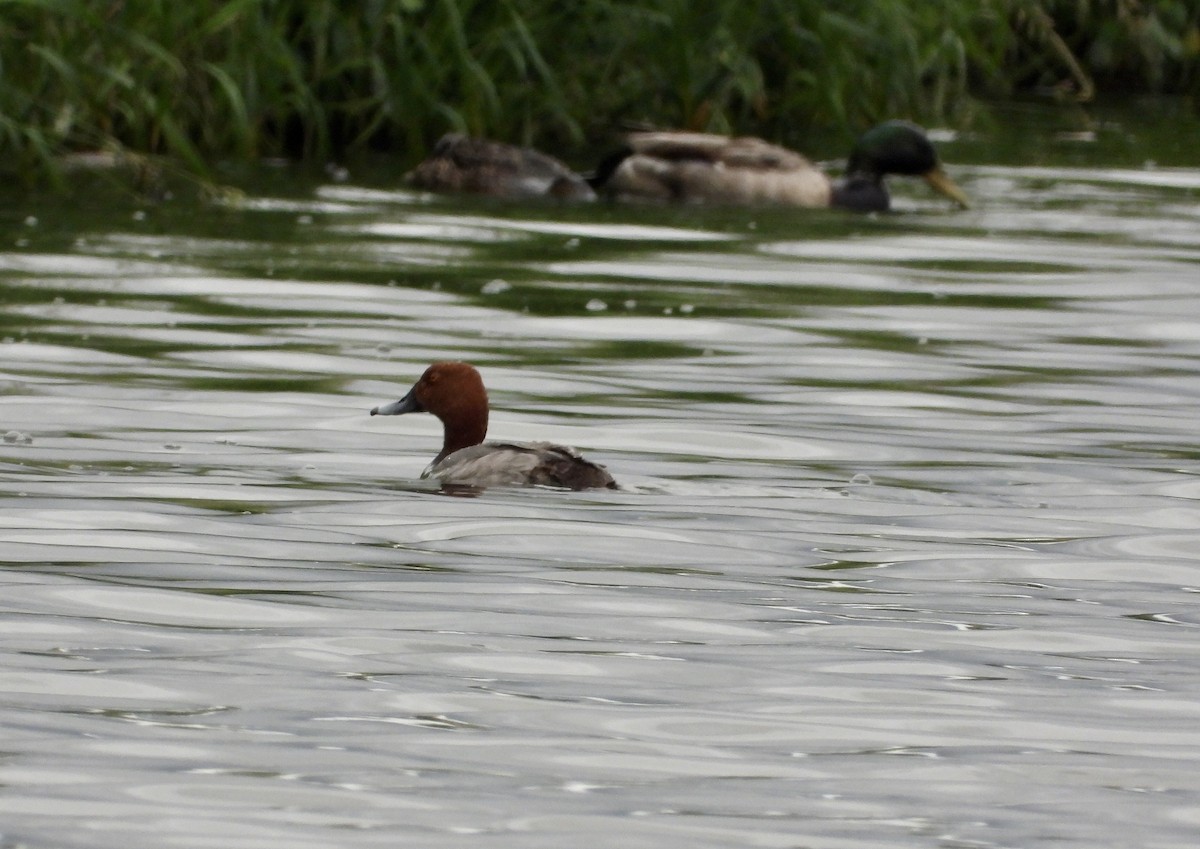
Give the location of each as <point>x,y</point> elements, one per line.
<point>907,552</point>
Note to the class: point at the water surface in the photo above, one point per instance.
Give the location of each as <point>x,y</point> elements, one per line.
<point>905,553</point>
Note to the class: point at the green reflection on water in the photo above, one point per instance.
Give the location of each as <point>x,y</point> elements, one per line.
<point>1112,133</point>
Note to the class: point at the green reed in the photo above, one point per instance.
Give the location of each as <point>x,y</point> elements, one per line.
<point>318,78</point>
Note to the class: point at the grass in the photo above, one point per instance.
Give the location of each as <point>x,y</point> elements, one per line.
<point>315,79</point>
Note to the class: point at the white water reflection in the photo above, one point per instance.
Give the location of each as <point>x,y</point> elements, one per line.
<point>484,229</point>
<point>905,553</point>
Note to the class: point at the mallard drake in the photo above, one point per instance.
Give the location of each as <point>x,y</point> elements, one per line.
<point>468,165</point>
<point>699,167</point>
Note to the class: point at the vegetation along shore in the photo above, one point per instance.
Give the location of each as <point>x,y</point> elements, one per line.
<point>318,79</point>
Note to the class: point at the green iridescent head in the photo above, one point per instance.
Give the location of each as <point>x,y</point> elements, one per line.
<point>898,147</point>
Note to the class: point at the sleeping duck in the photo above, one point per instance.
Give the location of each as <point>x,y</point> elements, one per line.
<point>705,168</point>
<point>461,164</point>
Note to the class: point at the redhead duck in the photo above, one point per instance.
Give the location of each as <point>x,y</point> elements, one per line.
<point>698,167</point>
<point>454,393</point>
<point>467,165</point>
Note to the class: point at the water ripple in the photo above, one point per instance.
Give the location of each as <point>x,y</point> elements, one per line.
<point>904,553</point>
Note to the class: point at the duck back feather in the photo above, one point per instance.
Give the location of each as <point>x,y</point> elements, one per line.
<point>520,463</point>
<point>707,168</point>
